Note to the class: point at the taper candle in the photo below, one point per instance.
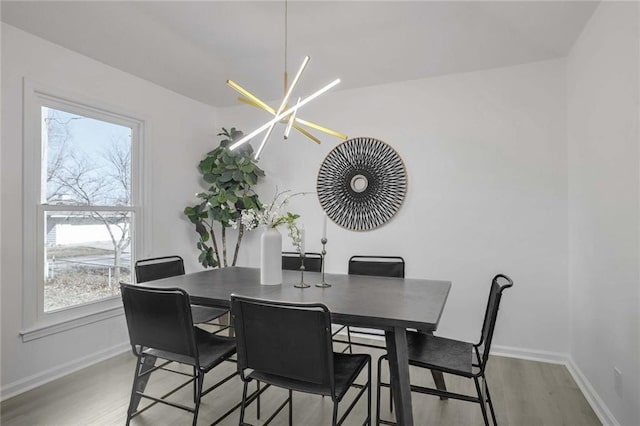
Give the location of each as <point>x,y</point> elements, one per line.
<point>324,225</point>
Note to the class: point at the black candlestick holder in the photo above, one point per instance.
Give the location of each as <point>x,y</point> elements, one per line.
<point>301,284</point>
<point>323,284</point>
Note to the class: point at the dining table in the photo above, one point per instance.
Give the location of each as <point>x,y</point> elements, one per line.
<point>392,305</point>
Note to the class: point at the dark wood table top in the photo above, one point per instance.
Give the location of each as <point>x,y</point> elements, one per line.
<point>356,300</point>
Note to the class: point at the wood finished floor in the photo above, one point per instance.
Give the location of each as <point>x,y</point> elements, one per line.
<point>525,393</point>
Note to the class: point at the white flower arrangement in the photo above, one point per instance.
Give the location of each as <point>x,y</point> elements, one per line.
<point>272,216</point>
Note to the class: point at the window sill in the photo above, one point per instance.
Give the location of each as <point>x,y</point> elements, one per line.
<point>44,330</point>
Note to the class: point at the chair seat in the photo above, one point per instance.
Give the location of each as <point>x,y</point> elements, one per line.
<point>346,368</point>
<point>213,349</point>
<point>202,314</point>
<point>439,353</point>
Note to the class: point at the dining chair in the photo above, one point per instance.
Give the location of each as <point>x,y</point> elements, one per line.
<point>379,266</point>
<point>455,357</point>
<point>170,266</point>
<point>289,345</point>
<point>160,325</point>
<point>291,261</point>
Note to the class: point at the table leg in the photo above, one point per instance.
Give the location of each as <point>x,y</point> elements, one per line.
<point>226,320</point>
<point>438,377</point>
<point>399,371</point>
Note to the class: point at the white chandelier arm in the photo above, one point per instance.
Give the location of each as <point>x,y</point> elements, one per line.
<point>273,112</point>
<point>292,119</point>
<point>283,104</point>
<point>279,117</point>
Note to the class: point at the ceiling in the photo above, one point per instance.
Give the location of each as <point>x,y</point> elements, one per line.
<point>192,48</point>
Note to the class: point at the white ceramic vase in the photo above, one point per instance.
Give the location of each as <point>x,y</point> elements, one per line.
<point>271,257</point>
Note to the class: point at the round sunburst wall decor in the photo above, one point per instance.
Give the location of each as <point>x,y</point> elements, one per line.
<point>362,183</point>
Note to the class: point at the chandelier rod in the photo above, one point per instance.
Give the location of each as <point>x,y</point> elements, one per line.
<point>286,43</point>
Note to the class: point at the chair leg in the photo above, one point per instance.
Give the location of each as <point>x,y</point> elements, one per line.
<point>379,379</point>
<point>136,374</point>
<point>349,339</point>
<point>482,404</point>
<point>244,402</point>
<point>290,407</point>
<point>493,413</point>
<point>195,386</point>
<point>368,419</point>
<point>334,422</point>
<point>198,393</point>
<point>378,389</point>
<point>258,401</point>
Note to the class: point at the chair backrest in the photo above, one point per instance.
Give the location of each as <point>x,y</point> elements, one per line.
<point>379,266</point>
<point>291,261</point>
<point>499,283</point>
<point>158,267</point>
<point>290,340</point>
<point>159,319</point>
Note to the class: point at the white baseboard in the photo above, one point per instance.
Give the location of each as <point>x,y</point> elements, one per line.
<point>602,411</point>
<point>530,354</point>
<point>31,382</point>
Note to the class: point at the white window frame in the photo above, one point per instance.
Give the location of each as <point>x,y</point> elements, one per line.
<point>36,322</point>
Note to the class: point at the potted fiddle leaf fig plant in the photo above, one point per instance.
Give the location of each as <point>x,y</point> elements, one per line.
<point>231,176</point>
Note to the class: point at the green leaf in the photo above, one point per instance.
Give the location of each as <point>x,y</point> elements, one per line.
<point>250,178</point>
<point>248,203</point>
<point>225,177</point>
<point>248,168</point>
<point>210,258</point>
<point>206,164</point>
<point>226,158</point>
<point>200,229</point>
<point>235,134</point>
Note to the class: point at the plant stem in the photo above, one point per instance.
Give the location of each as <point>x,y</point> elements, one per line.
<point>224,245</point>
<point>238,241</point>
<point>215,243</point>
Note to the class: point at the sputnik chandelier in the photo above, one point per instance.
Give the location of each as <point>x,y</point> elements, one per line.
<point>285,113</point>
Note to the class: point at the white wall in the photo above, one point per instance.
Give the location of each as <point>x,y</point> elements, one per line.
<point>485,154</point>
<point>602,87</point>
<point>180,131</point>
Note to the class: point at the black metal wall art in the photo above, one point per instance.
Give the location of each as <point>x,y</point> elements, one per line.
<point>362,183</point>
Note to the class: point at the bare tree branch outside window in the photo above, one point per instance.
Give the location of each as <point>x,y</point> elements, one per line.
<point>91,173</point>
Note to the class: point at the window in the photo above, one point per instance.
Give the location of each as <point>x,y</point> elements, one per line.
<point>88,173</point>
<point>82,188</point>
